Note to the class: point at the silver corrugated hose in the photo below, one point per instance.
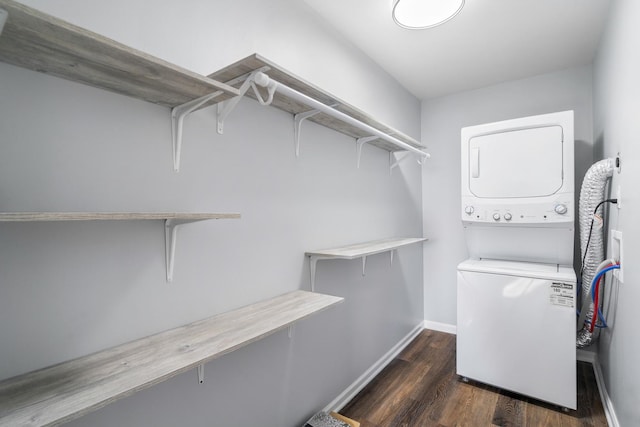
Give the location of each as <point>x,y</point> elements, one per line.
<point>592,193</point>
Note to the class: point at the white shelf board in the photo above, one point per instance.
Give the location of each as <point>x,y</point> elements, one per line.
<point>358,250</point>
<point>66,391</point>
<point>36,41</point>
<point>172,221</point>
<point>365,249</point>
<point>40,42</point>
<point>112,216</point>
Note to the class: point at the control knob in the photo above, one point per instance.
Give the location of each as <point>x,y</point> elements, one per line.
<point>468,210</point>
<point>508,216</point>
<point>561,209</point>
<point>496,216</point>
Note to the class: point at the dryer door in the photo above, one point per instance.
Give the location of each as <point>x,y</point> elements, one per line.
<point>516,163</point>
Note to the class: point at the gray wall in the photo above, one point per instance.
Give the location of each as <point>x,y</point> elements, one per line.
<point>442,119</point>
<point>68,289</point>
<point>616,128</point>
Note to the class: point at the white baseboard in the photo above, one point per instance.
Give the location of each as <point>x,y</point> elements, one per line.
<point>440,327</point>
<point>587,356</point>
<point>345,397</point>
<point>609,410</point>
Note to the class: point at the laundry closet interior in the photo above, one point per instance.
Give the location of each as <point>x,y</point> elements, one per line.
<point>241,213</point>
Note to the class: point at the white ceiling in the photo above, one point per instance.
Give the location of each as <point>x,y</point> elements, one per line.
<point>490,41</point>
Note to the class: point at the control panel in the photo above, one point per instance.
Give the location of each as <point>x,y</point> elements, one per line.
<point>481,211</point>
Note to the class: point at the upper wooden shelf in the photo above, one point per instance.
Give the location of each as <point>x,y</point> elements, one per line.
<point>255,62</point>
<point>40,42</point>
<point>112,216</point>
<point>66,391</point>
<point>365,249</point>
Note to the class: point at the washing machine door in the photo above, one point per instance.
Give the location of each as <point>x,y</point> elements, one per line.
<point>516,328</point>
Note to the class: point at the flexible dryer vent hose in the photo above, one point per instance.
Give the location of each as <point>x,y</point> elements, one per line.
<point>592,193</point>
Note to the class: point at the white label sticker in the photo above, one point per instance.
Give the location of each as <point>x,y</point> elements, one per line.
<point>561,294</point>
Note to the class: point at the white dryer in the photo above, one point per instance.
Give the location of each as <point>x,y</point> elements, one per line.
<point>516,293</point>
<point>516,328</point>
<point>518,189</point>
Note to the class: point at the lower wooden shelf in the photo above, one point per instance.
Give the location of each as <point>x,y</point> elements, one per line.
<point>66,391</point>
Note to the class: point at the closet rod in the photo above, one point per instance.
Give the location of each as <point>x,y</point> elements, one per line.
<point>265,81</point>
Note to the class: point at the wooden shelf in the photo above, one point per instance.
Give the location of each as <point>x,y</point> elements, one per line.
<point>255,62</point>
<point>71,389</point>
<point>112,216</point>
<point>40,42</point>
<point>359,250</point>
<point>172,221</point>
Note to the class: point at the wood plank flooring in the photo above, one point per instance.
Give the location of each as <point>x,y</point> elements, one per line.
<point>420,388</point>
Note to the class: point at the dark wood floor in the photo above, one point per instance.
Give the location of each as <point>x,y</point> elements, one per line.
<point>420,388</point>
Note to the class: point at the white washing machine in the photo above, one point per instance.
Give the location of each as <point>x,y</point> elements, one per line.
<point>516,328</point>
<point>516,293</point>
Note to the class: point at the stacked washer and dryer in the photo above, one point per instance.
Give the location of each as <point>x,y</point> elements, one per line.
<point>517,291</point>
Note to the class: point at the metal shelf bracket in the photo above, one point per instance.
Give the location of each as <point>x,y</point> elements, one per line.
<point>3,19</point>
<point>297,125</point>
<point>170,235</point>
<point>360,142</point>
<point>178,113</point>
<point>201,374</point>
<point>297,122</point>
<point>313,261</point>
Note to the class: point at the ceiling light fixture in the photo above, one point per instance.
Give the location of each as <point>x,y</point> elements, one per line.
<point>421,14</point>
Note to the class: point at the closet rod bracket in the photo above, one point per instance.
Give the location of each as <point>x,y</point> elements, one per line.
<point>395,162</point>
